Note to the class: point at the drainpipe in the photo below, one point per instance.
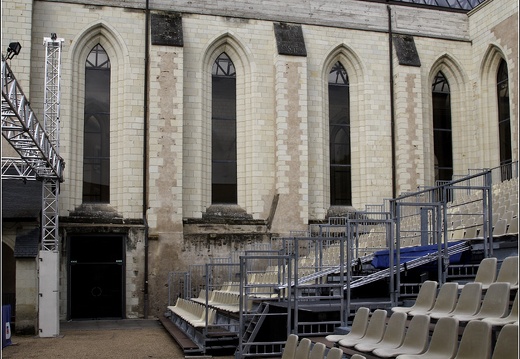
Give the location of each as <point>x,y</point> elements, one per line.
<point>145,152</point>
<point>394,278</point>
<point>392,100</point>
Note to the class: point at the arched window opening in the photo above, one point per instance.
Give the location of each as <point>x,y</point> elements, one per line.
<point>339,137</point>
<point>96,150</point>
<point>504,124</point>
<point>442,136</point>
<point>223,133</point>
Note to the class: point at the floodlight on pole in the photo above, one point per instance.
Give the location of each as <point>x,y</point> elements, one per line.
<point>13,50</point>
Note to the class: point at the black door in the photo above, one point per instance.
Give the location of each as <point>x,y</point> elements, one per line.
<point>96,277</point>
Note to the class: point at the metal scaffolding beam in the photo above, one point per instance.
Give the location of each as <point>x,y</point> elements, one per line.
<point>21,129</point>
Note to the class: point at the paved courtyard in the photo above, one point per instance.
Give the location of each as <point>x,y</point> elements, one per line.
<point>132,339</point>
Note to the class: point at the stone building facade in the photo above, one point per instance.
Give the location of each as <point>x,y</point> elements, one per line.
<point>159,215</point>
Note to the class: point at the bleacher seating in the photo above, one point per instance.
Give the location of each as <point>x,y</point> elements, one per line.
<point>468,302</point>
<point>375,329</point>
<point>392,338</point>
<point>475,342</point>
<point>506,346</point>
<point>358,329</point>
<point>494,305</point>
<point>425,298</point>
<point>486,272</point>
<point>415,340</point>
<point>443,342</point>
<point>444,303</point>
<point>511,318</point>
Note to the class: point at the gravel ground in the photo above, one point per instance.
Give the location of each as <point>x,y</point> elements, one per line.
<point>132,339</point>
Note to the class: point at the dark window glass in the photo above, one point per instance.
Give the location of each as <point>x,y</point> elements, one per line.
<point>96,150</point>
<point>339,137</point>
<point>223,134</point>
<point>504,124</point>
<point>442,136</point>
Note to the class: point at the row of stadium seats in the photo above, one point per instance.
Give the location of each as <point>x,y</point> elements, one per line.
<point>305,350</point>
<point>392,338</point>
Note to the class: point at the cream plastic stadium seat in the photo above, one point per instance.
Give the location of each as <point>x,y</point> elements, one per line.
<point>444,341</point>
<point>302,350</point>
<point>357,356</point>
<point>506,346</point>
<point>415,340</point>
<point>290,347</point>
<point>425,298</point>
<point>510,319</point>
<point>445,302</point>
<point>486,272</point>
<point>494,305</point>
<point>509,272</point>
<point>375,329</point>
<point>500,228</point>
<point>317,351</point>
<point>393,337</point>
<point>334,353</point>
<point>358,329</point>
<point>468,302</point>
<point>513,227</point>
<point>476,341</point>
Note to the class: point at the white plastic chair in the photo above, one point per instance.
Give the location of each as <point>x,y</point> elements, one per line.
<point>425,298</point>
<point>375,329</point>
<point>445,302</point>
<point>468,302</point>
<point>476,341</point>
<point>392,338</point>
<point>506,346</point>
<point>415,340</point>
<point>510,319</point>
<point>494,305</point>
<point>444,341</point>
<point>359,327</point>
<point>289,349</point>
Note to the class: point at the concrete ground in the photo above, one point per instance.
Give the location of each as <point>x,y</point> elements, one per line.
<point>103,339</point>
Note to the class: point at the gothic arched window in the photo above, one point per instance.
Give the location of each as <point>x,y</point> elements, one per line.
<point>504,124</point>
<point>339,137</point>
<point>96,150</point>
<point>223,132</point>
<point>442,136</point>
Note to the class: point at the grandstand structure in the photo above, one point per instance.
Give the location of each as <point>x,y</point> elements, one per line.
<point>312,283</point>
<point>263,161</point>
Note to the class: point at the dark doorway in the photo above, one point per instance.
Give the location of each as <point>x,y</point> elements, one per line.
<point>96,277</point>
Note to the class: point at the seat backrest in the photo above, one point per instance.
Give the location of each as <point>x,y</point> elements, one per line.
<point>487,271</point>
<point>290,347</point>
<point>514,308</point>
<point>360,322</point>
<point>418,333</point>
<point>509,270</point>
<point>500,228</point>
<point>376,326</point>
<point>317,351</point>
<point>302,351</point>
<point>427,294</point>
<point>395,329</point>
<point>496,301</point>
<point>469,299</point>
<point>447,297</point>
<point>476,341</point>
<point>445,338</point>
<point>335,353</point>
<point>357,356</point>
<point>506,346</point>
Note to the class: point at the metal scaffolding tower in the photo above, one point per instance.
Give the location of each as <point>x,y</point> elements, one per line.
<point>38,148</point>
